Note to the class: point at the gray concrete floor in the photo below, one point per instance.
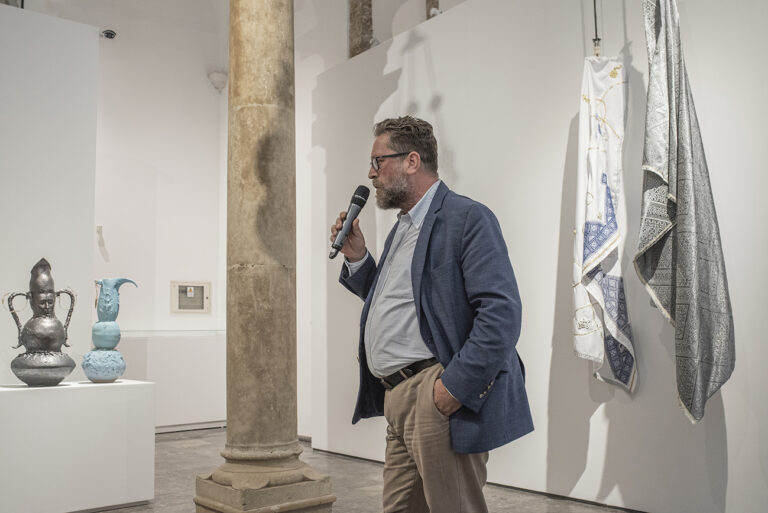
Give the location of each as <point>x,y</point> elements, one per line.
<point>357,484</point>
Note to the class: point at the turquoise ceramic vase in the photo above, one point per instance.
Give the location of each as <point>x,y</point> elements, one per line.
<point>104,364</point>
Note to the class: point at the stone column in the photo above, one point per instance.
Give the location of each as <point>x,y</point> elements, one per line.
<point>262,471</point>
<point>360,26</point>
<point>432,4</point>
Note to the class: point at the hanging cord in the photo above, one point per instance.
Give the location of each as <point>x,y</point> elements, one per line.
<point>596,40</point>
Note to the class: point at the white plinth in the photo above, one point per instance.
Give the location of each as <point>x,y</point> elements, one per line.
<point>76,446</point>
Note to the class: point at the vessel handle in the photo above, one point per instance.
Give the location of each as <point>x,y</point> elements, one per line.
<point>14,314</point>
<point>69,314</point>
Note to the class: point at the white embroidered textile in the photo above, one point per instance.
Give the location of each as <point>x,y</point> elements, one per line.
<point>602,331</point>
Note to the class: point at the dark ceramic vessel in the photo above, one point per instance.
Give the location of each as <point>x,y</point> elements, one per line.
<point>43,364</point>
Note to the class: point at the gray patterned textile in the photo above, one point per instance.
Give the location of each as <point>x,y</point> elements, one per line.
<point>679,257</point>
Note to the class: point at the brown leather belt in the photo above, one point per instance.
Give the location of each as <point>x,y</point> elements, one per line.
<point>391,381</point>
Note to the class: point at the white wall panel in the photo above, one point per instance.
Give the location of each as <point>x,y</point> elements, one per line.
<point>500,80</point>
<point>158,159</point>
<point>49,76</point>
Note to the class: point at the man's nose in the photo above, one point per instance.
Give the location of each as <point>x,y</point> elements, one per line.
<point>372,173</point>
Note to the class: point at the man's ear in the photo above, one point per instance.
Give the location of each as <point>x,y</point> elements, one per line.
<point>413,162</point>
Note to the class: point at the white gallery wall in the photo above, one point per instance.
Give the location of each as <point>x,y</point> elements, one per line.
<point>158,159</point>
<point>320,38</point>
<point>159,208</point>
<point>161,177</point>
<point>320,32</point>
<point>500,80</point>
<point>391,17</point>
<point>48,92</point>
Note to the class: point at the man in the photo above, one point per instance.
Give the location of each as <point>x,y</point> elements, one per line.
<point>438,330</point>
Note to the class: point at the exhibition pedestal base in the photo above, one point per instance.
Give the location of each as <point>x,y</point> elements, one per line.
<point>76,446</point>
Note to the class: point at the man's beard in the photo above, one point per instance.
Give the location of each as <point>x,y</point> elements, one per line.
<point>394,194</point>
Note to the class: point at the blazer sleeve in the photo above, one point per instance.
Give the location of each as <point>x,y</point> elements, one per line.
<point>361,281</point>
<point>491,290</point>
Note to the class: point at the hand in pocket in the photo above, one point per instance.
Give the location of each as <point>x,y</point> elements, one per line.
<point>444,401</point>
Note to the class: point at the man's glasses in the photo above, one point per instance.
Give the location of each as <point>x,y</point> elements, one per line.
<point>375,160</point>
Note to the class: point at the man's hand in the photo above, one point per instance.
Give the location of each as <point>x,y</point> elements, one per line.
<point>444,401</point>
<point>354,245</point>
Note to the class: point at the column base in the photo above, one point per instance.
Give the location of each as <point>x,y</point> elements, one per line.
<point>255,488</point>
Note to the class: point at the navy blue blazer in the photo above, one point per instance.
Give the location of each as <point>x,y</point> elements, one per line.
<point>469,315</point>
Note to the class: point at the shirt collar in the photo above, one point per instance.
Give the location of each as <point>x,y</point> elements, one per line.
<point>420,209</point>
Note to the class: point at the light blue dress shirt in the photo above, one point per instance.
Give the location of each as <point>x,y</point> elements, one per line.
<point>392,336</point>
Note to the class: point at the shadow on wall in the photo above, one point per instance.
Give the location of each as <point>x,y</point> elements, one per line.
<point>417,54</point>
<point>125,206</point>
<point>347,101</point>
<point>345,167</point>
<point>569,410</point>
<point>706,441</point>
<point>649,443</point>
<point>389,9</point>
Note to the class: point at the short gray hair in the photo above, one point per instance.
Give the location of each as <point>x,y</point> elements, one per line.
<point>408,134</point>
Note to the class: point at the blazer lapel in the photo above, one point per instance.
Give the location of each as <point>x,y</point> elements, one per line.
<point>420,252</point>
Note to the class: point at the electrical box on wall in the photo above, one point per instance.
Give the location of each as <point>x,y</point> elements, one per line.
<point>190,297</point>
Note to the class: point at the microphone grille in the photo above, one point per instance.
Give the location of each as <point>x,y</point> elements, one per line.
<point>361,195</point>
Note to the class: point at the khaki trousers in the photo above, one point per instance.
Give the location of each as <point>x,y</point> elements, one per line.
<point>421,472</point>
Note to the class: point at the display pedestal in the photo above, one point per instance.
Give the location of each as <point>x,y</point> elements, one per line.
<point>76,446</point>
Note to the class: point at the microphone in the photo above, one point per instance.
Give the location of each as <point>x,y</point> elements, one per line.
<point>355,206</point>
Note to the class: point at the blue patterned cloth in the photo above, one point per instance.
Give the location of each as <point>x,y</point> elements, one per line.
<point>602,330</point>
<point>621,360</point>
<point>598,235</point>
